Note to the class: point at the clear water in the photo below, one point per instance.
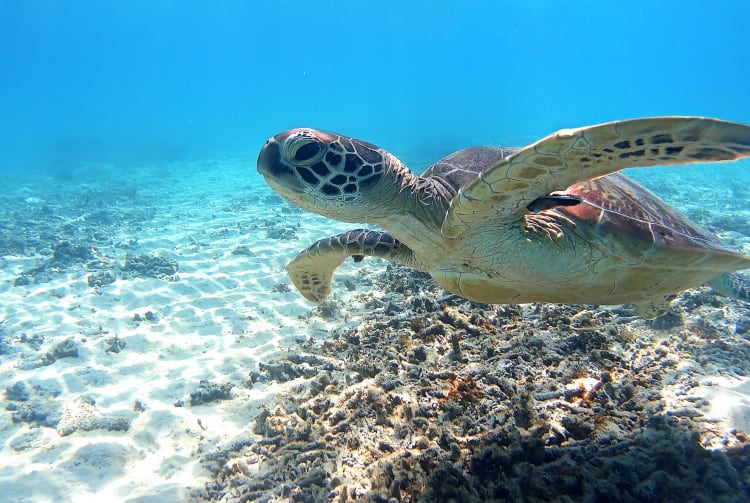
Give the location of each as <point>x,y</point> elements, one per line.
<point>158,79</point>
<point>145,117</point>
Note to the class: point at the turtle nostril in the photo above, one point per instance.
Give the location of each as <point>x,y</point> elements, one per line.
<point>306,152</point>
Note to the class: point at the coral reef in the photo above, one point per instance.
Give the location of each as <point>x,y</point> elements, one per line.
<point>438,399</point>
<point>150,266</point>
<point>207,392</point>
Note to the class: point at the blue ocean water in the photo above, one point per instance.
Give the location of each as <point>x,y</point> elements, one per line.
<point>109,110</point>
<point>154,80</point>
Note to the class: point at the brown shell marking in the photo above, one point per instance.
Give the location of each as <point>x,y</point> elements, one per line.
<point>617,205</point>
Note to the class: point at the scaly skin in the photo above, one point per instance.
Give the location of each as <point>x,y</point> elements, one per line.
<point>312,270</point>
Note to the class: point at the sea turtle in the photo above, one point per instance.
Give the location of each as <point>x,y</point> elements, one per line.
<point>550,222</point>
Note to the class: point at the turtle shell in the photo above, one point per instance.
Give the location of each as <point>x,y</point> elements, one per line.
<point>612,204</point>
<point>460,168</point>
<point>615,204</point>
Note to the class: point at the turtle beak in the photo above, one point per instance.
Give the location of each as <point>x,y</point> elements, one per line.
<point>269,160</point>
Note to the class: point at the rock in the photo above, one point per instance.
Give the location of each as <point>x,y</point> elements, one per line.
<point>19,392</point>
<point>243,250</point>
<point>208,392</point>
<point>36,411</point>
<point>100,279</point>
<point>150,266</point>
<point>83,415</point>
<point>66,253</point>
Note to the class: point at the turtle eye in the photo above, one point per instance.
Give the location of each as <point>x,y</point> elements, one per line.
<point>306,151</point>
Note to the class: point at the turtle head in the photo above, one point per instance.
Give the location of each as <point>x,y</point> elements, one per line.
<point>327,173</point>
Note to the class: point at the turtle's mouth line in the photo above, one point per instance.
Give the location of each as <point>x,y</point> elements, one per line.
<point>284,191</point>
<point>271,182</point>
<point>280,189</point>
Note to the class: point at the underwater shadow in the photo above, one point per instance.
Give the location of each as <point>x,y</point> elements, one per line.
<point>665,462</point>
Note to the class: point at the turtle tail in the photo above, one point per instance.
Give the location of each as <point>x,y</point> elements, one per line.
<point>732,285</point>
<point>312,270</point>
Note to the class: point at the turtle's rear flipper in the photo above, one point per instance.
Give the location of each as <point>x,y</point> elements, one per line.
<point>312,270</point>
<point>732,285</point>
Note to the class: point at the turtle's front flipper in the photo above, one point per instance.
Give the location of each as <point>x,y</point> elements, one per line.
<point>312,270</point>
<point>732,285</point>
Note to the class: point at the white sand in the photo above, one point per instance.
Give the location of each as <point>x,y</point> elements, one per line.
<point>217,322</point>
